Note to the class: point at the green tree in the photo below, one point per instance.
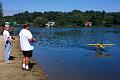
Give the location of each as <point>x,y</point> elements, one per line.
<point>108,20</point>
<point>40,21</point>
<point>116,19</point>
<point>73,18</point>
<point>51,16</point>
<point>1,15</point>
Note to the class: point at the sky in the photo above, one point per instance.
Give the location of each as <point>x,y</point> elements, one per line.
<point>11,7</point>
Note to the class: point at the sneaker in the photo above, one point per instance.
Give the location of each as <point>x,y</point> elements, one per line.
<point>8,62</point>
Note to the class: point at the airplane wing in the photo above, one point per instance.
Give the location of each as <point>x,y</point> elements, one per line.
<point>100,44</point>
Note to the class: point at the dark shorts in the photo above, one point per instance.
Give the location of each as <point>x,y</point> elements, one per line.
<point>27,53</point>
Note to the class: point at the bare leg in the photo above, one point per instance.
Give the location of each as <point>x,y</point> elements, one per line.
<point>24,61</point>
<point>27,62</point>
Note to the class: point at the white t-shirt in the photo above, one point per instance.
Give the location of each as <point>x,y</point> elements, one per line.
<point>6,35</point>
<point>24,42</point>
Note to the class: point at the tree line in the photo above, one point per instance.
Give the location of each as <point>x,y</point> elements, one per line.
<point>75,18</point>
<point>1,21</point>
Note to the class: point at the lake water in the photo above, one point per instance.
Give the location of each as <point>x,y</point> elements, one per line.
<point>63,53</point>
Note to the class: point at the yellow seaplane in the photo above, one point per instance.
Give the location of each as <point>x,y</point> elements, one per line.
<point>99,45</point>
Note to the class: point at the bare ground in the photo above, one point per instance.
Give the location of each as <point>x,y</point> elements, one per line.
<point>13,70</point>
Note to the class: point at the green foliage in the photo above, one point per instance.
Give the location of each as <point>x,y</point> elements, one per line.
<point>1,15</point>
<point>75,18</point>
<point>40,21</point>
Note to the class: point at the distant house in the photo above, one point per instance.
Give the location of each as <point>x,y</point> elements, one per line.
<point>7,23</point>
<point>88,23</point>
<point>50,23</point>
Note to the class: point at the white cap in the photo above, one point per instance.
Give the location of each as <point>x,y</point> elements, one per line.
<point>7,25</point>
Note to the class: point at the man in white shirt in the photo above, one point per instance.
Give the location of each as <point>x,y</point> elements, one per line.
<point>25,43</point>
<point>7,43</point>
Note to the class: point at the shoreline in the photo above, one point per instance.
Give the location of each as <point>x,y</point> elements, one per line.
<point>13,71</point>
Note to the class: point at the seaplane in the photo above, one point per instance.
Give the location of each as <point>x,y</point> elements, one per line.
<point>100,45</point>
<point>100,49</point>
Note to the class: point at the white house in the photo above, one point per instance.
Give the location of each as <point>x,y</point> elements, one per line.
<point>50,23</point>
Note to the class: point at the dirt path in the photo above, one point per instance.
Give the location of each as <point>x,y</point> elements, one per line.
<point>13,70</point>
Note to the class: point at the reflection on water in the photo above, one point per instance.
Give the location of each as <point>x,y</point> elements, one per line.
<point>64,54</point>
<point>74,37</point>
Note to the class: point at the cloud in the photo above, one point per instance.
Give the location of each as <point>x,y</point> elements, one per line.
<point>11,12</point>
